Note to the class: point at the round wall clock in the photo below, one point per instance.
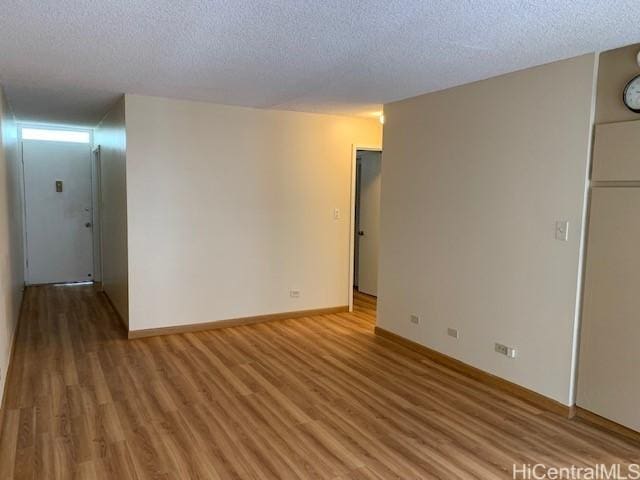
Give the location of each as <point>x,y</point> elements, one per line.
<point>631,94</point>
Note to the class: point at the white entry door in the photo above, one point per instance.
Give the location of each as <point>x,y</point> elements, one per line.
<point>369,223</point>
<point>57,182</point>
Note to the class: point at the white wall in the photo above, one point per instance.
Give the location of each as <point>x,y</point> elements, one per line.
<point>111,136</point>
<point>230,207</point>
<point>473,181</point>
<point>11,244</point>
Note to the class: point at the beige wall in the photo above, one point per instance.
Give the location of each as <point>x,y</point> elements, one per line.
<point>473,181</point>
<point>11,244</point>
<point>609,355</point>
<point>617,67</point>
<point>111,136</point>
<point>615,152</point>
<point>230,207</point>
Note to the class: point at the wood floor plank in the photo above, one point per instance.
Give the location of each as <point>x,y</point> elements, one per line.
<point>317,398</point>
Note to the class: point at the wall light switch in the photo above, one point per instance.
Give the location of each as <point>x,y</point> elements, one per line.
<point>562,230</point>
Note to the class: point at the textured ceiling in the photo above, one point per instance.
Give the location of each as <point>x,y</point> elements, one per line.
<point>67,60</point>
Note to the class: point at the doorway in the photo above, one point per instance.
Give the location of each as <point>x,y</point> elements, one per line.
<point>366,215</point>
<point>58,206</point>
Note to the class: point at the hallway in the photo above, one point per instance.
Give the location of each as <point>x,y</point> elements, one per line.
<point>318,397</point>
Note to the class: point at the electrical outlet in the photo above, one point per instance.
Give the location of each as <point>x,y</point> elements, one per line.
<point>294,293</point>
<point>336,214</point>
<point>453,332</point>
<point>504,350</point>
<point>414,319</point>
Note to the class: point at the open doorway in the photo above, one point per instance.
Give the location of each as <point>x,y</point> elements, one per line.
<point>366,226</point>
<point>58,204</point>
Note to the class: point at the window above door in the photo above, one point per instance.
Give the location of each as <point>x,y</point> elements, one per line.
<point>73,136</point>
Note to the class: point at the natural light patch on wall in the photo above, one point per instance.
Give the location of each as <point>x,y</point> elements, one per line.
<point>55,135</point>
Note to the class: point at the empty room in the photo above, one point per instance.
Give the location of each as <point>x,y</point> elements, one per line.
<point>304,239</point>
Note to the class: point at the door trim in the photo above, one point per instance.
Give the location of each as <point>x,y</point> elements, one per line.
<point>96,211</point>
<point>352,213</point>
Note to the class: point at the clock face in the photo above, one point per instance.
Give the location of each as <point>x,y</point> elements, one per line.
<point>631,95</point>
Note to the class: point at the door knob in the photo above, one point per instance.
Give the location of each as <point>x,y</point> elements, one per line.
<point>88,224</point>
<point>361,233</point>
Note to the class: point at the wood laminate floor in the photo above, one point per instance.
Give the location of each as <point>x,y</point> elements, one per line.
<point>312,398</point>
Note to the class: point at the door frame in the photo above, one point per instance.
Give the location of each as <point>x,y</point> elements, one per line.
<point>23,193</point>
<point>352,214</point>
<point>96,212</point>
